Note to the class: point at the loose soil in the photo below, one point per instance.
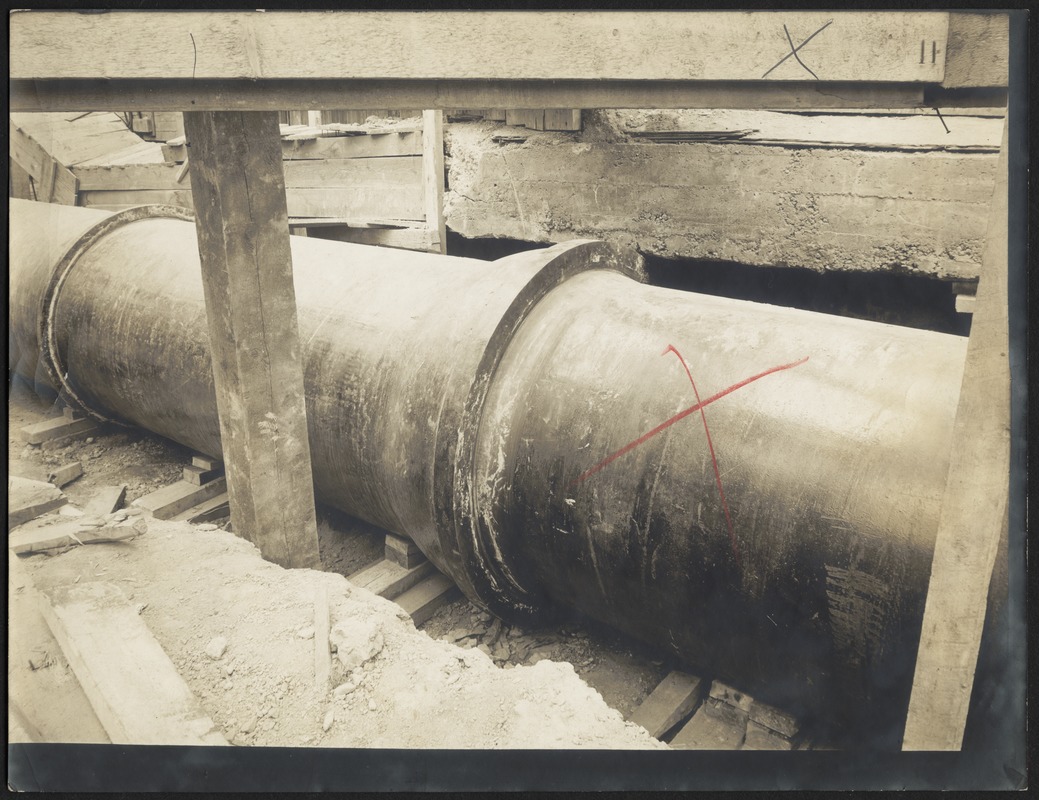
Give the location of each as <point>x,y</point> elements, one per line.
<point>467,680</point>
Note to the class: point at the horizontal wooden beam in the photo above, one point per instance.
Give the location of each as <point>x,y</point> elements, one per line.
<point>979,50</point>
<point>274,94</point>
<point>904,46</point>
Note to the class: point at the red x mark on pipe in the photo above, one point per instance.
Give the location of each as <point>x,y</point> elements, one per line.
<point>698,406</point>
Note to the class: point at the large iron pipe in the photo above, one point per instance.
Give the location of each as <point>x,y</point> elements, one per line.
<point>755,488</point>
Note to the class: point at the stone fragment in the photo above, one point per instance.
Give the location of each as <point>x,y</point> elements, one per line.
<point>330,718</point>
<point>216,647</point>
<point>357,641</point>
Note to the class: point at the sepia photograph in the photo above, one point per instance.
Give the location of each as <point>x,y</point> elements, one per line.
<point>408,400</point>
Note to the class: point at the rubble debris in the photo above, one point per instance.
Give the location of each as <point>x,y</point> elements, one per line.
<point>357,641</point>
<point>216,647</point>
<point>28,499</point>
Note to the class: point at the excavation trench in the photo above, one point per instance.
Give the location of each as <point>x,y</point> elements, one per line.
<point>752,489</point>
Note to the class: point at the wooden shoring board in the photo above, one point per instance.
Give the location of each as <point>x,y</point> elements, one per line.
<point>388,579</point>
<point>404,142</point>
<point>132,685</point>
<point>211,510</point>
<point>405,238</point>
<point>675,698</point>
<point>433,179</point>
<point>28,499</point>
<point>56,428</point>
<point>322,651</point>
<point>170,501</point>
<point>52,182</point>
<point>423,599</point>
<point>874,46</point>
<point>973,507</point>
<point>272,94</point>
<point>238,188</point>
<point>393,187</point>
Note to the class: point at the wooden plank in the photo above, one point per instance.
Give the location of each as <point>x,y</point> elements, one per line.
<point>351,172</point>
<point>724,693</point>
<point>28,499</point>
<point>139,153</point>
<point>978,50</point>
<point>322,651</point>
<point>41,535</point>
<point>357,202</point>
<point>667,705</point>
<point>408,143</point>
<point>201,475</point>
<point>783,723</point>
<point>974,507</point>
<point>55,428</point>
<point>243,237</point>
<point>342,222</point>
<point>106,500</point>
<point>65,474</point>
<point>218,94</point>
<point>422,600</point>
<point>168,125</point>
<point>403,551</point>
<point>388,579</point>
<point>761,737</point>
<point>211,510</point>
<point>169,501</point>
<point>641,45</point>
<point>562,119</point>
<point>404,238</point>
<point>127,176</point>
<point>433,178</point>
<point>715,726</point>
<point>131,683</point>
<point>517,116</point>
<point>73,140</point>
<point>852,131</point>
<point>206,462</point>
<point>130,197</point>
<point>51,181</point>
<point>18,181</point>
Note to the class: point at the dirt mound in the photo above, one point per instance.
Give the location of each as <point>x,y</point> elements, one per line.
<point>240,630</point>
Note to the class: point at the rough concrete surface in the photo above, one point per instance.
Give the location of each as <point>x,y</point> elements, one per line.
<point>812,207</point>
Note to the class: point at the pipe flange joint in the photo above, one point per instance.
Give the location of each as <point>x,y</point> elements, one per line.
<point>49,354</point>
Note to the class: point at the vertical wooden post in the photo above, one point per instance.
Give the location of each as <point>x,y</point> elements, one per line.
<point>433,177</point>
<point>973,508</point>
<point>238,187</point>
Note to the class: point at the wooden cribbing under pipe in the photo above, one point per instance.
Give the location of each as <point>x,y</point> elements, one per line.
<point>238,186</point>
<point>974,507</point>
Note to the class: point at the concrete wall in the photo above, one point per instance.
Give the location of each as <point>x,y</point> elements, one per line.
<point>810,205</point>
